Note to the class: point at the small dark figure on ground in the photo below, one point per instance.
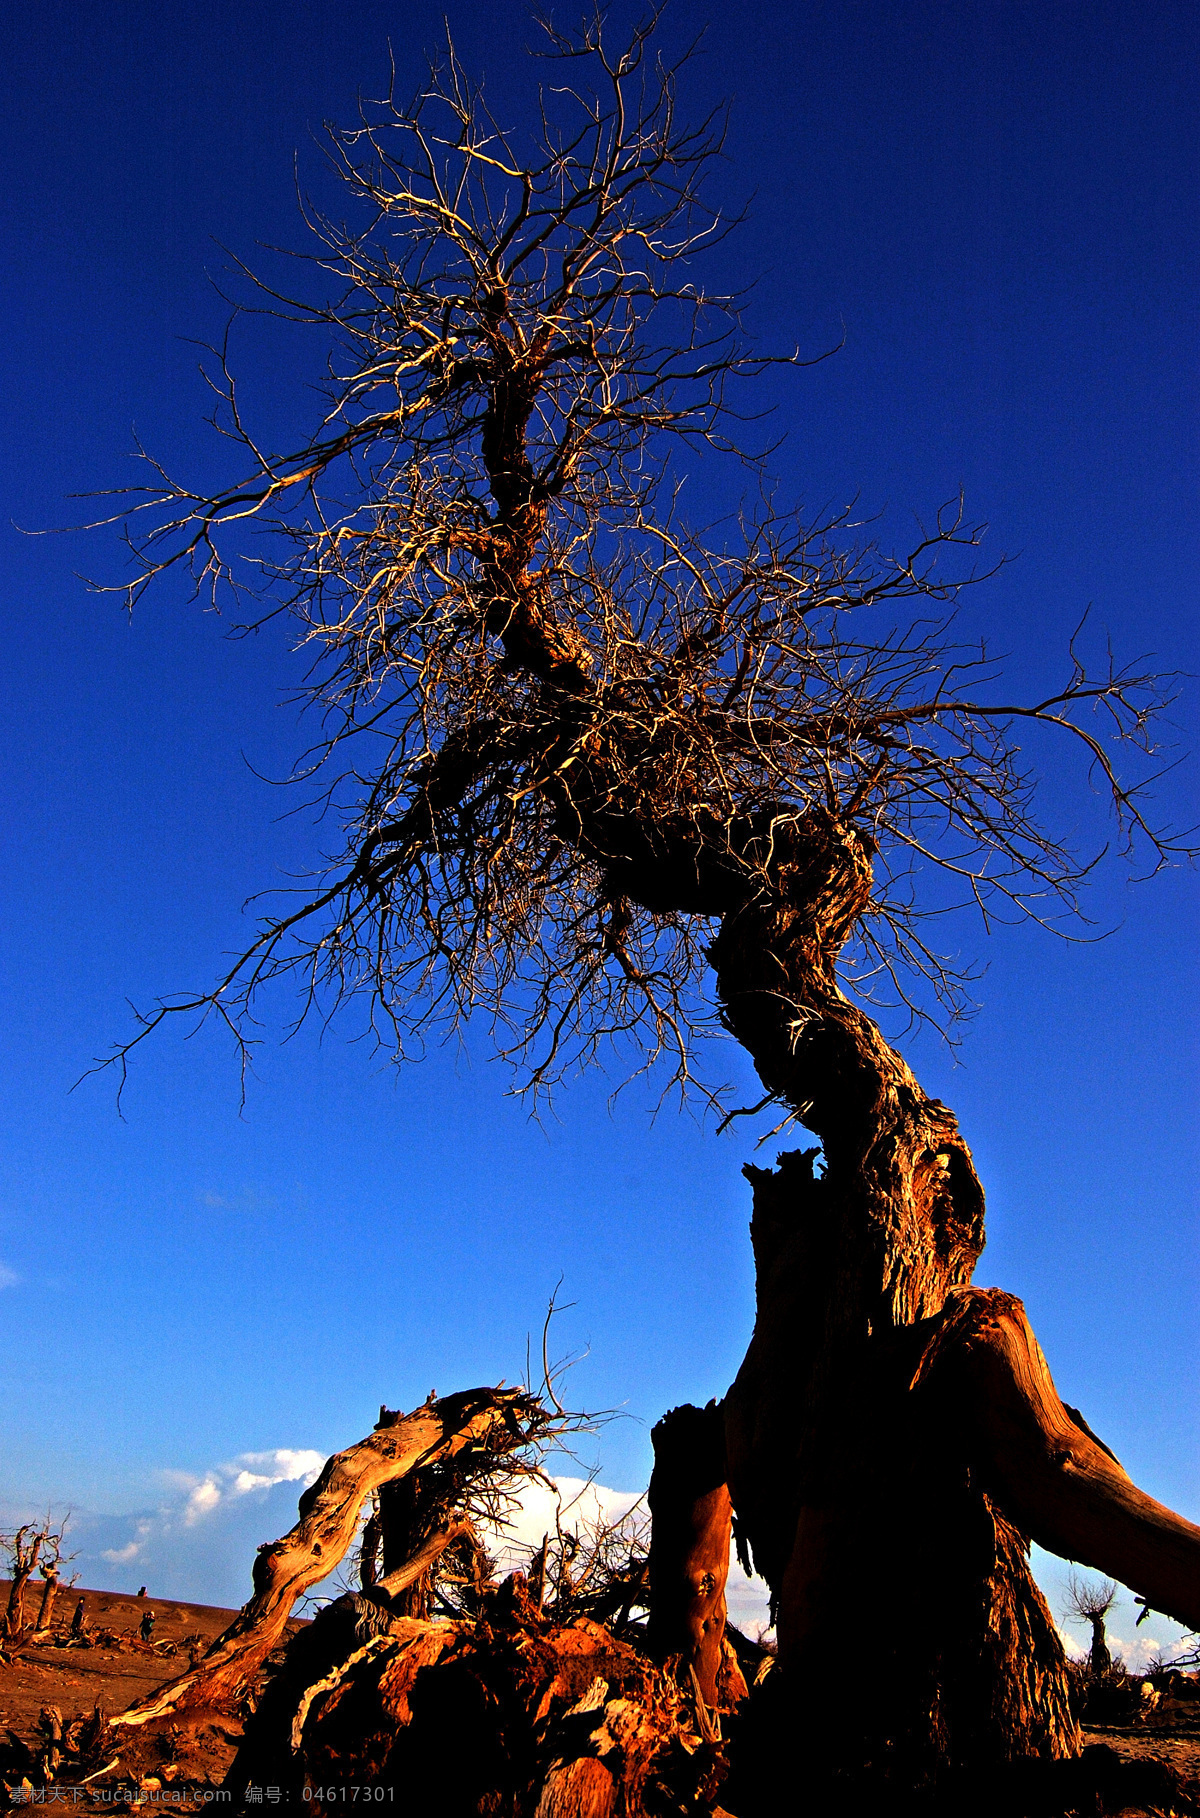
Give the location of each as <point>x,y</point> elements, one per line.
<point>79,1619</point>
<point>142,1592</point>
<point>146,1627</point>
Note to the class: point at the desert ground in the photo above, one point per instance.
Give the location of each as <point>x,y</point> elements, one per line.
<point>110,1667</point>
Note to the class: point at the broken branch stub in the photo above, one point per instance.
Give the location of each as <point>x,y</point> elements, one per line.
<point>491,1419</point>
<point>691,1524</point>
<point>447,1534</point>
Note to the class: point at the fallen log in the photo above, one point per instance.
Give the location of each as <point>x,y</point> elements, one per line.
<point>515,1712</point>
<point>487,1419</point>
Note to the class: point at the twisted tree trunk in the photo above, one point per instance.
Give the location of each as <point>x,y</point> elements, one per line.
<point>892,1435</point>
<point>26,1546</point>
<point>835,1479</point>
<point>49,1592</point>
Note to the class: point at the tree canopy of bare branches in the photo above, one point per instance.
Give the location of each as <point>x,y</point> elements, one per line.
<point>564,731</point>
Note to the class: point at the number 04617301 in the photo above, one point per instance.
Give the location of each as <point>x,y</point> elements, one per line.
<point>350,1795</point>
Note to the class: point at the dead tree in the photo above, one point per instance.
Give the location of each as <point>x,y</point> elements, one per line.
<point>35,1546</point>
<point>50,1578</point>
<point>436,1515</point>
<point>22,1548</point>
<point>51,1574</point>
<point>1088,1602</point>
<point>608,782</point>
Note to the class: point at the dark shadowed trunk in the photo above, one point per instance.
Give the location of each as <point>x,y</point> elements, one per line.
<point>1099,1658</point>
<point>692,1518</point>
<point>889,1424</point>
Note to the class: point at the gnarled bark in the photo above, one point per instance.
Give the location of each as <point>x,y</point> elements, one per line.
<point>49,1593</point>
<point>912,1636</point>
<point>415,1524</point>
<point>512,1712</point>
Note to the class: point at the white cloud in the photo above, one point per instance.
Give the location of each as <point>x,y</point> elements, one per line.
<point>199,1543</point>
<point>749,1602</point>
<point>202,1500</point>
<point>121,1555</point>
<point>1133,1652</point>
<point>259,1470</point>
<point>8,1277</point>
<point>249,1472</point>
<point>1137,1651</point>
<point>575,1502</point>
<point>178,1480</point>
<point>1072,1646</point>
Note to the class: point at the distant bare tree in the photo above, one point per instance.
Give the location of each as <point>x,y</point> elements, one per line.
<point>1088,1601</point>
<point>609,782</point>
<point>51,1573</point>
<point>35,1546</point>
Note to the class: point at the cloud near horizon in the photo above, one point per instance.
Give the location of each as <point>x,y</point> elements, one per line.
<point>249,1472</point>
<point>579,1503</point>
<point>198,1545</point>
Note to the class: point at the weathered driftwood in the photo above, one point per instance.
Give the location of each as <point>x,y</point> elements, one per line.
<point>320,1539</point>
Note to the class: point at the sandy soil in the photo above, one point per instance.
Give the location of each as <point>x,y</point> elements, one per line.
<point>112,1670</point>
<point>1170,1737</point>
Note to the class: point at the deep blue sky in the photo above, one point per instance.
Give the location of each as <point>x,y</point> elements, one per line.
<point>998,206</point>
